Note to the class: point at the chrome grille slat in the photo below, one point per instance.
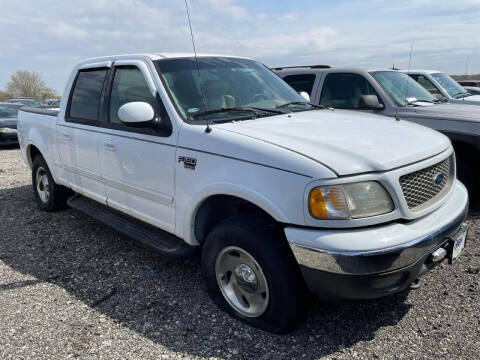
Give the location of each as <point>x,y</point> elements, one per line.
<point>419,187</point>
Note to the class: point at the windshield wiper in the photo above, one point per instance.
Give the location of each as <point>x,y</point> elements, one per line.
<point>459,95</point>
<point>256,111</point>
<point>221,110</point>
<point>300,103</point>
<point>267,110</point>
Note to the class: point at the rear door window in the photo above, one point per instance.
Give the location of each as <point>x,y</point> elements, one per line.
<point>85,98</point>
<point>301,82</point>
<point>343,90</point>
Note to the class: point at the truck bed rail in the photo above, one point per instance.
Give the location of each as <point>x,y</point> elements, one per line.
<point>42,111</point>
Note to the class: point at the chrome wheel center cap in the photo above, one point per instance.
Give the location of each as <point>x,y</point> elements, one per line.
<point>246,277</point>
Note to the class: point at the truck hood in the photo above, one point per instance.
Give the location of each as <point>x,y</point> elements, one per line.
<point>346,142</point>
<point>472,100</point>
<point>450,111</point>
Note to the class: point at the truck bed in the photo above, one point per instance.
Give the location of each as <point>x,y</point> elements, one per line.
<point>36,127</point>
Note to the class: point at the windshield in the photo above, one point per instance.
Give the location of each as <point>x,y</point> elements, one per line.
<point>453,88</point>
<point>9,111</point>
<point>226,83</point>
<point>402,88</point>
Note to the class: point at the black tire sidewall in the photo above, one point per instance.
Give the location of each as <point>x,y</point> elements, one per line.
<point>265,243</point>
<point>39,161</point>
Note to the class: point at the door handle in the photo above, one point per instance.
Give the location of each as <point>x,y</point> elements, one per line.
<point>109,146</point>
<point>66,136</point>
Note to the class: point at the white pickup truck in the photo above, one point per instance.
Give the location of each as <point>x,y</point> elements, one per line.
<point>281,196</point>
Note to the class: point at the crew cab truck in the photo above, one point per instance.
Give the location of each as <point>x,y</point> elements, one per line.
<point>394,94</point>
<point>280,196</point>
<point>443,86</point>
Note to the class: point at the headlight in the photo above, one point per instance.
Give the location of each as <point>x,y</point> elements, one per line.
<point>349,201</point>
<point>7,131</point>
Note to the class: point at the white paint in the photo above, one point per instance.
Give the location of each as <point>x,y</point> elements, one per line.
<point>272,162</point>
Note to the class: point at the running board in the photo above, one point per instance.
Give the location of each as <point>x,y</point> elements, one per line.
<point>135,229</point>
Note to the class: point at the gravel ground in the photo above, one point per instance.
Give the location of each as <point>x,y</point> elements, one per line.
<point>72,288</point>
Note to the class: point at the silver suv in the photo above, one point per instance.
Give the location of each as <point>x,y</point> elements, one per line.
<point>394,94</point>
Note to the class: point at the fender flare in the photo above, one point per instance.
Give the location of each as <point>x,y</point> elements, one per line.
<point>43,151</point>
<point>226,189</point>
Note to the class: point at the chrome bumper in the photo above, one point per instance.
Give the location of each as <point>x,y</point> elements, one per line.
<point>435,230</point>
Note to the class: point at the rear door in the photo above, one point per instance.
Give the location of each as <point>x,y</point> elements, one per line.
<point>137,160</point>
<point>80,134</point>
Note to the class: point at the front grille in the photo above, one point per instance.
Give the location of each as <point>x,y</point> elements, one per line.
<point>426,186</point>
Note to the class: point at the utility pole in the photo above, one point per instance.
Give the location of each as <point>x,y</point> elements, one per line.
<point>466,66</point>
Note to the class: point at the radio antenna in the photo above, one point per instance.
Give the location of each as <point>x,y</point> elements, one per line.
<point>208,129</point>
<point>408,75</point>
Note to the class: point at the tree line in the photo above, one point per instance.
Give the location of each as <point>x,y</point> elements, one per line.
<point>24,83</point>
<point>466,77</point>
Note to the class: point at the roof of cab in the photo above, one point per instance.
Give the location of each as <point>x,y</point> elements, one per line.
<point>152,56</point>
<point>414,71</point>
<point>325,68</point>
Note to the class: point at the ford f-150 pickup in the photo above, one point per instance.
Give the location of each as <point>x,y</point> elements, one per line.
<point>280,197</point>
<point>394,94</point>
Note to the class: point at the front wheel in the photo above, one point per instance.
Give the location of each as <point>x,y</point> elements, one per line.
<point>251,274</point>
<point>49,195</point>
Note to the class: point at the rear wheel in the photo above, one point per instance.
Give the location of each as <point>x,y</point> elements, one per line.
<point>49,195</point>
<point>251,274</point>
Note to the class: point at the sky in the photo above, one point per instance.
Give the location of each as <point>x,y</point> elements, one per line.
<point>49,37</point>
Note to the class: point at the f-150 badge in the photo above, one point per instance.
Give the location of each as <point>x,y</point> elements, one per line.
<point>188,162</point>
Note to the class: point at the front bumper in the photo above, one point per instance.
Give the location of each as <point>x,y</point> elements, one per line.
<point>392,257</point>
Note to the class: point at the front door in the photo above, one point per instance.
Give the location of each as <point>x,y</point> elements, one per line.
<point>343,91</point>
<point>137,160</point>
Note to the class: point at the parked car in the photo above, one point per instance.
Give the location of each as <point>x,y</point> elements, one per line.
<point>50,103</point>
<point>472,83</point>
<point>25,101</point>
<point>8,123</point>
<point>473,90</point>
<point>273,191</point>
<point>442,85</point>
<point>394,94</point>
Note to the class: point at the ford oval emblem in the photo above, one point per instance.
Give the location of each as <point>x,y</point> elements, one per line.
<point>438,178</point>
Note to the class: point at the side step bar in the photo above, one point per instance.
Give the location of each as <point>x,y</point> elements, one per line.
<point>135,229</point>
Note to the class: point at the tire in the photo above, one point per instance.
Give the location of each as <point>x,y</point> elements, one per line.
<point>278,281</point>
<point>48,195</point>
<point>466,174</point>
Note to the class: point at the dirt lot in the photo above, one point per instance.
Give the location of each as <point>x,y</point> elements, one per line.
<point>70,287</point>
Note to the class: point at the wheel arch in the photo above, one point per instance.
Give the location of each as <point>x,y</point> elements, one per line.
<point>221,201</point>
<point>32,150</point>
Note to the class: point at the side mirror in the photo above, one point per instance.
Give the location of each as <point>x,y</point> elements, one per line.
<point>370,102</point>
<point>136,112</point>
<point>305,95</point>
